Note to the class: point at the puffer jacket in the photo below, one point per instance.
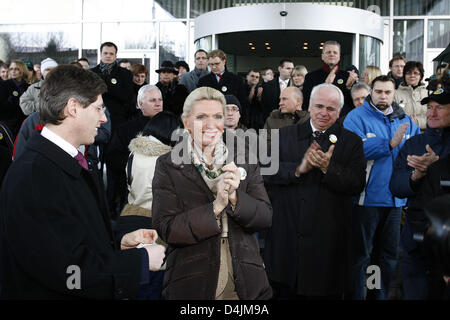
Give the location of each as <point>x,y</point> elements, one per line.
<point>409,99</point>
<point>29,101</point>
<point>376,130</point>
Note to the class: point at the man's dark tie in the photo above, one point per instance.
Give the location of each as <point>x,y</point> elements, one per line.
<point>81,160</point>
<point>317,134</point>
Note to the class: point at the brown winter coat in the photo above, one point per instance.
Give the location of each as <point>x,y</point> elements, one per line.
<point>184,218</point>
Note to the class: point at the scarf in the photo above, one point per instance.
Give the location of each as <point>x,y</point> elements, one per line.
<point>107,68</point>
<point>210,171</point>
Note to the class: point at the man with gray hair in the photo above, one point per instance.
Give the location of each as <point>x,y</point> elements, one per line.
<point>321,167</point>
<point>150,103</point>
<point>359,92</point>
<point>330,72</point>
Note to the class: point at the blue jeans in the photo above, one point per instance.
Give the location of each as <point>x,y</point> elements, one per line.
<point>376,234</point>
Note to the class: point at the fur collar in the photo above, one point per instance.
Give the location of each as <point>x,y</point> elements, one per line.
<point>143,145</point>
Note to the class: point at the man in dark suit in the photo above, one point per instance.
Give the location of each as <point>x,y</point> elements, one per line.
<point>56,240</point>
<point>272,89</point>
<point>119,97</point>
<point>321,166</point>
<point>330,73</point>
<point>226,82</point>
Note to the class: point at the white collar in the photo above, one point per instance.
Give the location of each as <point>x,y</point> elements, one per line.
<point>388,112</point>
<point>60,142</point>
<point>284,81</point>
<point>314,129</point>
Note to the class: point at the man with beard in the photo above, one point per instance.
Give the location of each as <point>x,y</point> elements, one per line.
<point>384,127</point>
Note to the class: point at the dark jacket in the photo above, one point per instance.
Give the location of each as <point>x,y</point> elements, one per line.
<point>119,99</point>
<point>270,99</point>
<point>254,118</point>
<point>6,150</point>
<point>229,84</point>
<point>173,96</point>
<point>308,247</point>
<point>431,188</point>
<point>319,76</point>
<point>61,209</point>
<point>278,120</point>
<point>10,112</point>
<point>401,184</point>
<point>184,218</point>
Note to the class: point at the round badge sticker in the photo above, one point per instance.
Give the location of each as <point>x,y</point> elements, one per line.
<point>439,91</point>
<point>332,138</point>
<point>113,81</point>
<point>15,93</point>
<point>340,81</point>
<point>224,89</point>
<point>243,173</point>
<point>1,136</point>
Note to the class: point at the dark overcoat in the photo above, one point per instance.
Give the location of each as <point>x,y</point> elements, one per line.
<point>229,84</point>
<point>10,111</point>
<point>119,99</point>
<point>53,216</point>
<point>270,99</point>
<point>307,247</point>
<point>183,216</point>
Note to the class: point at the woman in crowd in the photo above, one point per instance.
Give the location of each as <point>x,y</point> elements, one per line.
<point>10,91</point>
<point>411,92</point>
<point>207,210</point>
<point>298,76</point>
<point>370,73</point>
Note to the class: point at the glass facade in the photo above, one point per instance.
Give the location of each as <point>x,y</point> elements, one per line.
<point>164,29</point>
<point>421,8</point>
<point>438,33</point>
<point>369,52</point>
<point>408,39</point>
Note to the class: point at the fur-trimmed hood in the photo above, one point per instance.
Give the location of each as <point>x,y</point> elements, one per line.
<point>147,147</point>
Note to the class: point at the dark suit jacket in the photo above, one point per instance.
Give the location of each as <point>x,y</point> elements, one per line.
<point>229,84</point>
<point>53,215</point>
<point>119,99</point>
<point>308,247</point>
<point>319,76</point>
<point>270,99</point>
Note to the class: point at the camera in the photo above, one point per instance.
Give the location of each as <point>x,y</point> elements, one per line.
<point>283,13</point>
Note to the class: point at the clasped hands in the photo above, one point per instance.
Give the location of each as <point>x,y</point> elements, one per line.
<point>315,158</point>
<point>226,188</point>
<point>145,236</point>
<point>421,163</point>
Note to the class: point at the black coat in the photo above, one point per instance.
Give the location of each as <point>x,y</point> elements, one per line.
<point>10,112</point>
<point>53,215</point>
<point>173,96</point>
<point>319,76</point>
<point>229,84</point>
<point>270,99</point>
<point>119,99</point>
<point>308,246</point>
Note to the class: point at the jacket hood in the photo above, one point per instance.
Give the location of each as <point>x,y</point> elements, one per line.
<point>143,145</point>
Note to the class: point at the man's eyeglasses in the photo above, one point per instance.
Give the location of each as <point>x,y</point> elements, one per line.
<point>232,109</point>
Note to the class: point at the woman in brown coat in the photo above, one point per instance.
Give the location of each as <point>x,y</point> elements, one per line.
<point>207,209</point>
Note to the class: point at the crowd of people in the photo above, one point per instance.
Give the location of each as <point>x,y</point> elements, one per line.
<point>151,192</point>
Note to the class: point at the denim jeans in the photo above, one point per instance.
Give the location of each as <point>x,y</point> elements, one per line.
<point>376,234</point>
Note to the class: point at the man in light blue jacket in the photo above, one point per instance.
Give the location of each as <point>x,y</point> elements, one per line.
<point>384,127</point>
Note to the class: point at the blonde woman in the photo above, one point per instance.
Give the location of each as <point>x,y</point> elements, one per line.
<point>370,73</point>
<point>10,91</point>
<point>298,76</point>
<point>207,209</point>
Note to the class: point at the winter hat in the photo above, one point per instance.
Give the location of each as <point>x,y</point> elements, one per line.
<point>48,63</point>
<point>231,99</point>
